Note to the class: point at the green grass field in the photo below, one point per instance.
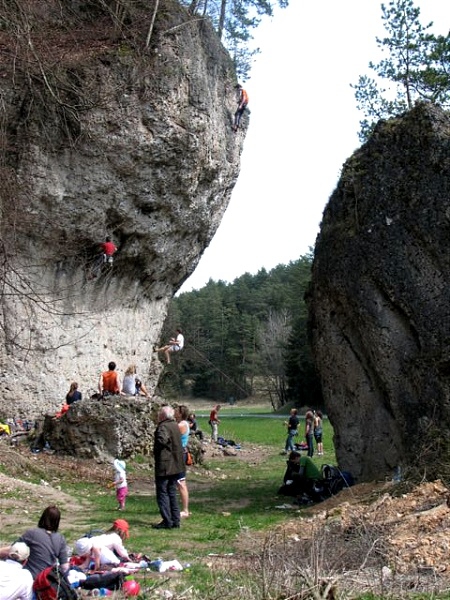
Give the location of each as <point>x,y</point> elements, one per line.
<point>234,495</point>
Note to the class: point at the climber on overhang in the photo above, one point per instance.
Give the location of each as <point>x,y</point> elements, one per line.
<point>104,258</point>
<point>108,249</point>
<point>242,105</point>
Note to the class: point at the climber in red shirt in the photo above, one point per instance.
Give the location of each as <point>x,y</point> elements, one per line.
<point>108,249</point>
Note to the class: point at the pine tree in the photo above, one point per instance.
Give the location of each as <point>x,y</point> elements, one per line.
<point>416,67</point>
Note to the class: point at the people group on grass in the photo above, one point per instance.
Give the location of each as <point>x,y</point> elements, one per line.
<point>39,547</point>
<point>26,559</point>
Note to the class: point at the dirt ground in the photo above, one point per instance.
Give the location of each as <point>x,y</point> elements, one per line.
<point>411,524</point>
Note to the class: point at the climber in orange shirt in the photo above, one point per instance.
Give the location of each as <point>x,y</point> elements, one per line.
<point>242,105</point>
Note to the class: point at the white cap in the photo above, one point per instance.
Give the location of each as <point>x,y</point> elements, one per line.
<point>19,551</point>
<point>119,465</point>
<point>83,546</point>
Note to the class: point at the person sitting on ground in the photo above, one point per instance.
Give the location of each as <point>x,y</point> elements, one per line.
<point>73,395</point>
<point>132,384</point>
<point>109,383</point>
<point>193,427</point>
<point>104,549</point>
<point>300,476</point>
<point>16,583</point>
<point>45,543</point>
<point>175,345</point>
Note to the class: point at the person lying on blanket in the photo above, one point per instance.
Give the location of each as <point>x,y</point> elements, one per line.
<point>104,549</point>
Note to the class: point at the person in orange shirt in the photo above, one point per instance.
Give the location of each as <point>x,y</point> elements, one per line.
<point>242,105</point>
<point>214,422</point>
<point>109,383</point>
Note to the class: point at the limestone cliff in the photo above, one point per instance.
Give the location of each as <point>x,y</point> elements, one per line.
<point>380,299</point>
<point>101,135</point>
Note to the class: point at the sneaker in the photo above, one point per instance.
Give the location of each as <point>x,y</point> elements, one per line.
<point>184,514</point>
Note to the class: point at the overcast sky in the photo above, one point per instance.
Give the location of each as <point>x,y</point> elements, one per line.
<point>303,126</point>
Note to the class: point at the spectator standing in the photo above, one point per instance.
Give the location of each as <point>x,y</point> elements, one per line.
<point>309,432</point>
<point>120,482</point>
<point>169,468</point>
<point>292,430</point>
<point>181,416</point>
<point>318,430</point>
<point>214,422</point>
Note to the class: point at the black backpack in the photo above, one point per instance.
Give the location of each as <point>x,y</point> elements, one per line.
<point>335,480</point>
<point>51,584</point>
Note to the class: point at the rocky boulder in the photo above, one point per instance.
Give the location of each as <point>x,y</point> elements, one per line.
<point>103,428</point>
<point>379,300</point>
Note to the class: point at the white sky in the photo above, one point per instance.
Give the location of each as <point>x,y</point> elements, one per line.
<point>303,126</point>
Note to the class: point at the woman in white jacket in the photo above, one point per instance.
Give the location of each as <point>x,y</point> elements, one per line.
<point>104,549</point>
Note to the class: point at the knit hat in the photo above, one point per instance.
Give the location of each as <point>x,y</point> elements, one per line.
<point>83,546</point>
<point>19,551</point>
<point>122,525</point>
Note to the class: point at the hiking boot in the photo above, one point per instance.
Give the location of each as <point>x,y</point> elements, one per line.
<point>162,525</point>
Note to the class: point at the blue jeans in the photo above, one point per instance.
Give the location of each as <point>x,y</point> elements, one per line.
<point>166,497</point>
<point>290,440</point>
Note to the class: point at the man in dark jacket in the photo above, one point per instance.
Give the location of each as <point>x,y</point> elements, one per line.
<point>169,467</point>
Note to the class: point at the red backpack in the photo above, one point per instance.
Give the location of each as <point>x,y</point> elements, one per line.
<point>51,584</point>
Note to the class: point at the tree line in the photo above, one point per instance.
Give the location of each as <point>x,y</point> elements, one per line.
<point>244,338</point>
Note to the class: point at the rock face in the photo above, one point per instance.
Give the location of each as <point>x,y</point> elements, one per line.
<point>101,429</point>
<point>101,135</point>
<point>380,297</point>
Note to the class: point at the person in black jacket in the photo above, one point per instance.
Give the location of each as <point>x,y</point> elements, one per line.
<point>169,468</point>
